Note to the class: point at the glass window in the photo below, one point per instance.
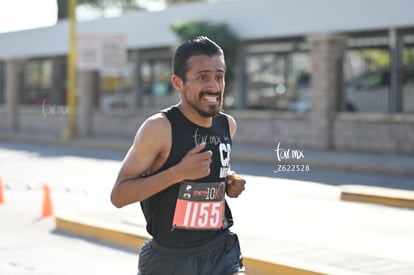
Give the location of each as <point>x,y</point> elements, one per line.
<point>299,82</point>
<point>266,81</point>
<point>117,90</point>
<point>44,81</point>
<point>38,81</point>
<point>155,85</point>
<point>408,79</point>
<point>367,79</point>
<point>2,85</point>
<point>278,81</point>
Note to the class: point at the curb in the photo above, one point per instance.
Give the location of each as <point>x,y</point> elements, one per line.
<point>378,195</point>
<point>127,239</point>
<point>99,231</point>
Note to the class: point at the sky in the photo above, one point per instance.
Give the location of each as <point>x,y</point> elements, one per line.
<point>26,14</point>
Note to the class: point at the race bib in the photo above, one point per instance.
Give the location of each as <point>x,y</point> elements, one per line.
<point>200,206</point>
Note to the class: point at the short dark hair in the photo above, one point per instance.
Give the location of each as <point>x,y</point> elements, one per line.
<point>189,48</point>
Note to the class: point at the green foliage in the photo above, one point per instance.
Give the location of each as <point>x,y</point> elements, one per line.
<point>408,57</point>
<point>375,58</point>
<point>218,32</point>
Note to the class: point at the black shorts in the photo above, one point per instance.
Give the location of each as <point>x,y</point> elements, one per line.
<point>220,257</point>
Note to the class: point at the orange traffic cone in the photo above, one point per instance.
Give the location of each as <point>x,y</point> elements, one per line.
<point>47,202</point>
<point>1,191</point>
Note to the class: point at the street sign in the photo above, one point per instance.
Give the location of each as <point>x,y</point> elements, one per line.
<point>101,52</point>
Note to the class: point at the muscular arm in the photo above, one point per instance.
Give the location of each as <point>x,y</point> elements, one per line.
<point>148,152</point>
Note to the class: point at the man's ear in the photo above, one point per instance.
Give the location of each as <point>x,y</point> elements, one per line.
<point>177,83</point>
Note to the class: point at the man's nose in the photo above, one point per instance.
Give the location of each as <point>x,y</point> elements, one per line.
<point>213,85</point>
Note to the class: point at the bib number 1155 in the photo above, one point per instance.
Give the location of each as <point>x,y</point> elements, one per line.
<point>200,206</point>
<point>198,215</point>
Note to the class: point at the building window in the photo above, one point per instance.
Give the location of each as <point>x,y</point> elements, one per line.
<point>44,82</point>
<point>367,72</point>
<point>266,81</point>
<point>37,82</point>
<point>408,76</point>
<point>299,82</point>
<point>2,84</point>
<point>117,89</point>
<point>278,80</point>
<point>155,88</point>
<point>367,79</point>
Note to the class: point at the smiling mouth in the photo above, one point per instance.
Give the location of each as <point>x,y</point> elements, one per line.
<point>211,97</point>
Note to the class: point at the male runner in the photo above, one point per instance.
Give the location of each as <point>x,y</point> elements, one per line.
<point>178,168</point>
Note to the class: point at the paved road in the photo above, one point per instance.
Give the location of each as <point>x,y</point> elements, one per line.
<point>28,243</point>
<point>302,221</point>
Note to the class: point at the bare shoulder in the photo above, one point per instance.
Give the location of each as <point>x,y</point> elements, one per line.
<point>156,125</point>
<point>232,124</point>
<point>148,150</point>
<point>150,147</point>
<point>154,134</point>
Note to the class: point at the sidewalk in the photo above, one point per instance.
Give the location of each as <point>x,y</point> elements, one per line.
<point>399,165</point>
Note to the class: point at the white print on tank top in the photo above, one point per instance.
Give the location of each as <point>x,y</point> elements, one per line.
<point>224,149</point>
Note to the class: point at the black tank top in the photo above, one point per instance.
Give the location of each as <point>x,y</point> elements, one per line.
<point>159,208</point>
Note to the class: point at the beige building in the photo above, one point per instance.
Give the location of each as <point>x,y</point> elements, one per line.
<point>321,74</point>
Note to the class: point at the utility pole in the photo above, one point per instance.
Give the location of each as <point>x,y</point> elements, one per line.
<point>71,72</point>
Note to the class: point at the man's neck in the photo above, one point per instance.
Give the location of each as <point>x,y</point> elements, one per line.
<point>194,116</point>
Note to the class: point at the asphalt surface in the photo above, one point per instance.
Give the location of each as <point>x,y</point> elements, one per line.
<point>297,217</point>
<point>30,244</point>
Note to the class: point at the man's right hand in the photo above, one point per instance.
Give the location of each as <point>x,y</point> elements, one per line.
<point>195,164</point>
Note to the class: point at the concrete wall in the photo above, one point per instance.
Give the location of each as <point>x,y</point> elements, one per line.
<point>269,128</point>
<point>37,120</point>
<point>376,133</point>
<point>385,133</point>
<point>118,123</point>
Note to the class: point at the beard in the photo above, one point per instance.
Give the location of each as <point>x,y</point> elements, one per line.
<point>213,110</point>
